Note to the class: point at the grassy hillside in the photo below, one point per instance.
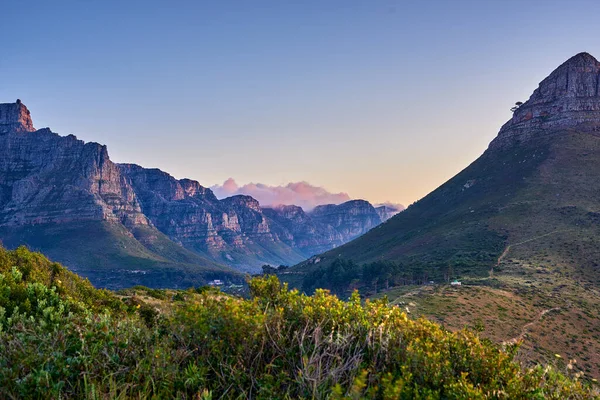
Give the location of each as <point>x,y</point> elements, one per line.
<point>523,220</point>
<point>112,257</point>
<point>526,193</point>
<point>61,338</point>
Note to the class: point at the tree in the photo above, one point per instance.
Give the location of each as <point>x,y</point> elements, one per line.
<point>268,270</point>
<point>516,106</point>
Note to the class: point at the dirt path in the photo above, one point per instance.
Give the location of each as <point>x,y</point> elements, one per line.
<point>528,325</point>
<point>507,249</point>
<point>504,253</point>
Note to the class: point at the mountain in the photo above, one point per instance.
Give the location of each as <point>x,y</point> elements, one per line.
<point>520,226</point>
<point>236,230</point>
<point>387,211</point>
<point>124,224</point>
<point>66,198</point>
<point>324,227</point>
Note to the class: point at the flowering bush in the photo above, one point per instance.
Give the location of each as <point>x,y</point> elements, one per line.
<point>61,338</point>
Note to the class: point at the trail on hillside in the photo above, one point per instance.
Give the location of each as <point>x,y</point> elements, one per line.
<point>507,249</point>
<point>525,328</point>
<point>504,253</point>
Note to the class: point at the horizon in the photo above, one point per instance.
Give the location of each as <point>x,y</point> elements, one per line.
<point>346,96</point>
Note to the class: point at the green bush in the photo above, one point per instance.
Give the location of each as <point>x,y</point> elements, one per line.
<point>60,338</point>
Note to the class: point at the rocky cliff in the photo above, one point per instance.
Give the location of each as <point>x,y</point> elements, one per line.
<point>326,226</point>
<point>15,117</point>
<point>350,219</point>
<point>386,212</point>
<point>50,182</point>
<point>569,98</point>
<point>237,230</point>
<point>47,178</point>
<point>68,199</point>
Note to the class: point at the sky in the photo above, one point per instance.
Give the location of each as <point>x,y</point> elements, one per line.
<point>381,100</point>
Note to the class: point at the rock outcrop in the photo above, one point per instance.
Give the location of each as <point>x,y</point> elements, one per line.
<point>351,219</point>
<point>386,212</point>
<point>569,98</point>
<point>47,178</point>
<point>237,230</point>
<point>15,117</point>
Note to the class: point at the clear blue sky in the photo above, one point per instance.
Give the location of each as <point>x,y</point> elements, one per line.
<point>384,100</point>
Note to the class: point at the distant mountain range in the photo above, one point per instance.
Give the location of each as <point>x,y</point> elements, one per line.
<point>122,224</point>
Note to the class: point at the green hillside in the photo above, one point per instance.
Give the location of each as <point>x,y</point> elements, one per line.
<point>110,256</point>
<point>61,338</point>
<point>524,218</point>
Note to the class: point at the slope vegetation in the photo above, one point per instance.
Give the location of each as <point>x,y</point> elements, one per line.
<point>61,338</point>
<point>521,224</point>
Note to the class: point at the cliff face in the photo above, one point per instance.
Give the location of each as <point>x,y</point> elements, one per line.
<point>326,226</point>
<point>47,178</point>
<point>52,181</point>
<point>387,212</point>
<point>350,219</point>
<point>15,117</point>
<point>298,229</point>
<point>568,98</point>
<point>237,230</point>
<point>228,230</point>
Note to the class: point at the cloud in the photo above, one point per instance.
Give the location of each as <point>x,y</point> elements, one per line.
<point>302,194</point>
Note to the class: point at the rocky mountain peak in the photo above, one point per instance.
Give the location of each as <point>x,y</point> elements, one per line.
<point>15,117</point>
<point>568,98</point>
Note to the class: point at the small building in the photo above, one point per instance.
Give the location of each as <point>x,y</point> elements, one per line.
<point>455,283</point>
<point>216,282</point>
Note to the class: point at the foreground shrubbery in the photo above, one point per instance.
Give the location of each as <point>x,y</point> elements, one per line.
<point>60,338</point>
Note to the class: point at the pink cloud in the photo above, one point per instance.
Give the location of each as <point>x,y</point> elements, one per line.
<point>302,194</point>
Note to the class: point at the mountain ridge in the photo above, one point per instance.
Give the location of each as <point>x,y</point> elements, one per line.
<point>48,181</point>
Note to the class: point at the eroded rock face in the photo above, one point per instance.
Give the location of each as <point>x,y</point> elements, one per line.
<point>326,226</point>
<point>237,229</point>
<point>387,212</point>
<point>15,117</point>
<point>50,179</point>
<point>191,215</point>
<point>297,228</point>
<point>352,218</point>
<point>47,178</point>
<point>568,98</point>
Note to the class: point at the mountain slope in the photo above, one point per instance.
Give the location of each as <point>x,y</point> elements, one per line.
<point>66,198</point>
<point>538,177</point>
<point>521,223</point>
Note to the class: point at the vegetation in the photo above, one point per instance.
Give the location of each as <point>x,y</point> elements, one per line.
<point>344,276</point>
<point>61,338</point>
<point>522,223</point>
<point>95,248</point>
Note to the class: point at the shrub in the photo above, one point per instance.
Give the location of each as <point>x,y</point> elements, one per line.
<point>72,341</point>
